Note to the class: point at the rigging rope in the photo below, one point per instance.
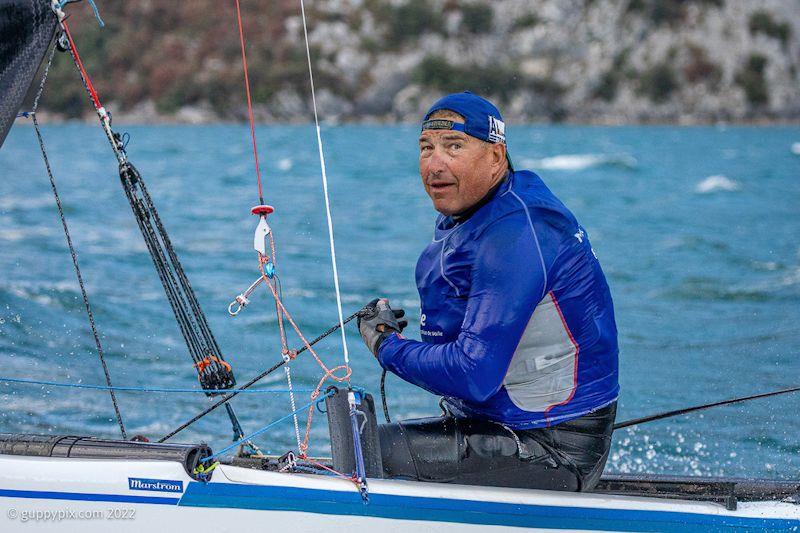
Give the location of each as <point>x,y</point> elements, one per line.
<point>685,410</point>
<point>383,398</point>
<point>212,370</point>
<point>243,440</point>
<point>227,397</point>
<point>288,355</point>
<point>191,320</point>
<point>249,102</point>
<point>263,228</point>
<point>264,244</point>
<point>71,246</point>
<point>325,191</point>
<point>360,473</point>
<point>143,389</point>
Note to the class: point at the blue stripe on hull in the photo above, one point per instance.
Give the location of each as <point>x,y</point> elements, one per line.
<point>275,498</point>
<point>466,511</point>
<point>89,497</point>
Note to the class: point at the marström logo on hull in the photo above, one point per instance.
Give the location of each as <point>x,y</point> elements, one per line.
<point>158,485</point>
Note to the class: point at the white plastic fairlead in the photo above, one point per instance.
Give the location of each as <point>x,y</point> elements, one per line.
<point>259,238</point>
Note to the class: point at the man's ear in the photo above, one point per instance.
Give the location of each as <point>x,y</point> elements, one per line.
<point>498,154</point>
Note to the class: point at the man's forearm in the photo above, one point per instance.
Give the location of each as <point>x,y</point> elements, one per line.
<point>463,368</point>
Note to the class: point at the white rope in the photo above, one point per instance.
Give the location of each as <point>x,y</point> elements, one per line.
<point>325,190</point>
<point>294,407</point>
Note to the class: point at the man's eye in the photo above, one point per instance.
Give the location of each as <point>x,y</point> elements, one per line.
<point>424,148</point>
<point>455,146</point>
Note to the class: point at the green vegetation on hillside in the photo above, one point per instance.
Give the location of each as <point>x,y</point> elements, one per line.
<point>762,22</point>
<point>658,82</point>
<point>667,11</point>
<point>700,69</point>
<point>412,19</point>
<point>477,17</point>
<point>751,79</point>
<point>494,80</point>
<point>173,56</point>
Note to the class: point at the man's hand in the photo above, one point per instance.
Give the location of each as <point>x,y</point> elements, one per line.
<point>377,321</point>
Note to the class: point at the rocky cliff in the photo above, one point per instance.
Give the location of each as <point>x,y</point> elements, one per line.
<point>605,61</point>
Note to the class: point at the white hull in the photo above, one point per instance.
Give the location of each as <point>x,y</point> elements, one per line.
<point>66,494</point>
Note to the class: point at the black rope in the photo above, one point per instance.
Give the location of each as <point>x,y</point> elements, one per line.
<point>213,372</point>
<point>383,397</point>
<point>72,251</point>
<point>191,320</point>
<point>225,398</point>
<point>677,412</point>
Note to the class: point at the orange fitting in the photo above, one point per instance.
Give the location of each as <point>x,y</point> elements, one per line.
<point>207,361</point>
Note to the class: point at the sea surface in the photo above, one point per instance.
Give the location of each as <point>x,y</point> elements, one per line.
<point>697,230</point>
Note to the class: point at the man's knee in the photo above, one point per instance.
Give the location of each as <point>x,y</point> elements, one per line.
<point>426,449</point>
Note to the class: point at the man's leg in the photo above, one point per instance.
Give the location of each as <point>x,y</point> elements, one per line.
<point>469,452</point>
<point>474,452</point>
<point>587,441</point>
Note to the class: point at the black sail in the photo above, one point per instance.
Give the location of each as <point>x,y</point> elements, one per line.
<point>26,29</point>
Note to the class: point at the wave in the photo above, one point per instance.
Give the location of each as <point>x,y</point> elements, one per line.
<point>23,234</point>
<point>796,148</point>
<point>666,452</point>
<point>773,288</point>
<point>582,161</point>
<point>716,183</point>
<point>25,203</point>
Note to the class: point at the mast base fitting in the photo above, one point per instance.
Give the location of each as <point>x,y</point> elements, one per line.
<point>262,210</point>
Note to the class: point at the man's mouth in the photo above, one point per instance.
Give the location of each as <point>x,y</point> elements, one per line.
<point>440,186</point>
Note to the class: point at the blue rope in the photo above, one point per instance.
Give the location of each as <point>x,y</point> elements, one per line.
<point>102,24</point>
<point>264,429</point>
<point>97,14</point>
<point>145,389</point>
<point>361,471</point>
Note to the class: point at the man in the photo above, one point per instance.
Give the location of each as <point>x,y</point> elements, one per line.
<point>517,323</point>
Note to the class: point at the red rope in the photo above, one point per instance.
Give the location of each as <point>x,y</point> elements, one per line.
<point>281,311</point>
<point>329,469</point>
<point>86,80</point>
<point>249,101</point>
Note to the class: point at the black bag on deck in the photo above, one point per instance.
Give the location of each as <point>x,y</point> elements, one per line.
<point>341,430</point>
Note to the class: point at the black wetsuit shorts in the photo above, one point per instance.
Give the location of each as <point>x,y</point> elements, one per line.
<point>446,449</point>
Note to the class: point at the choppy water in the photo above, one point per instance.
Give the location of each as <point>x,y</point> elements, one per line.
<point>697,229</point>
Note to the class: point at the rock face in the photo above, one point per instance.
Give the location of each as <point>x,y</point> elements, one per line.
<point>605,61</point>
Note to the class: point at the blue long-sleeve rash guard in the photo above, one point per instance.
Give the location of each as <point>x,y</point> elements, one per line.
<point>517,319</point>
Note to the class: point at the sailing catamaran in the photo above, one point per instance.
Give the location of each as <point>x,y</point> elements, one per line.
<point>49,481</point>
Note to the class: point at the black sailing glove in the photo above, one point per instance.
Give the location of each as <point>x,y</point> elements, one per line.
<point>377,320</point>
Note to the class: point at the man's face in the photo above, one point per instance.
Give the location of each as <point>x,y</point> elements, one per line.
<point>458,170</point>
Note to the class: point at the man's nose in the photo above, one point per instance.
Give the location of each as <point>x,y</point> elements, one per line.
<point>436,162</point>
